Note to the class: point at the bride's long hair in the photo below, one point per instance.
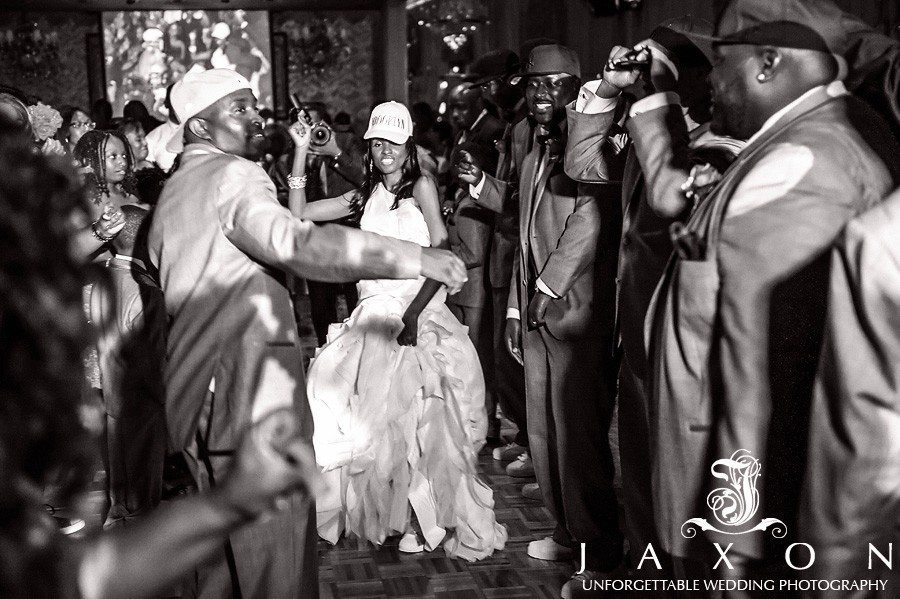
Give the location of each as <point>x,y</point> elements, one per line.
<point>410,173</point>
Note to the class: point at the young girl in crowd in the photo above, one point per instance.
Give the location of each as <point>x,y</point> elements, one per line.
<point>397,393</point>
<point>108,167</point>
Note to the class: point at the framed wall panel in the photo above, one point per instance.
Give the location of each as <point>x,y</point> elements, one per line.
<point>95,67</point>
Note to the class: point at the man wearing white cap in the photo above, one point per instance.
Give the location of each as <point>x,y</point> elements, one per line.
<point>221,241</point>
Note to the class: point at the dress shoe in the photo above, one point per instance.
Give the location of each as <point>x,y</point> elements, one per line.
<point>521,468</point>
<point>509,452</point>
<point>581,585</point>
<point>409,543</point>
<point>549,550</point>
<point>532,491</point>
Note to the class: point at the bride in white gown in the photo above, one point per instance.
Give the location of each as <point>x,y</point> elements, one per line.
<point>397,392</point>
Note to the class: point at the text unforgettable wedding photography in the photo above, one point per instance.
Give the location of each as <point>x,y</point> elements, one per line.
<point>449,299</point>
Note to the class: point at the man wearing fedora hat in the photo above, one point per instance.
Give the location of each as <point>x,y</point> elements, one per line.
<point>735,327</point>
<point>561,288</point>
<point>221,243</point>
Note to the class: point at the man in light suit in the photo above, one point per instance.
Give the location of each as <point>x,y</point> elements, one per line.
<point>222,244</point>
<point>559,287</point>
<point>852,491</point>
<point>736,323</point>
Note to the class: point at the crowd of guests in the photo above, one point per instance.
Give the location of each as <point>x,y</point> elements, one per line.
<point>697,250</point>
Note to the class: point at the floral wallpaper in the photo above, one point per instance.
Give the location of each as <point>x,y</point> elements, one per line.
<point>67,81</point>
<point>331,57</point>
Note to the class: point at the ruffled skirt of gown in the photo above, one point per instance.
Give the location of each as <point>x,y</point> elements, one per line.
<point>399,426</point>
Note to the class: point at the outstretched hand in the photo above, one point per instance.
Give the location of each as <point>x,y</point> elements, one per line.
<point>467,171</point>
<point>444,266</point>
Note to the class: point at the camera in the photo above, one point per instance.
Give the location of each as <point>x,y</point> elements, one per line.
<point>320,133</point>
<point>631,60</point>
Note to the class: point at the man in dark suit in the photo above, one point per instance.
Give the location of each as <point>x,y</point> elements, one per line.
<point>473,125</point>
<point>221,243</point>
<point>662,145</point>
<point>568,310</point>
<point>469,230</point>
<point>492,73</point>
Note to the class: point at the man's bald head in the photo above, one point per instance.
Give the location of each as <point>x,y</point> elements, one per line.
<point>750,83</point>
<point>464,104</point>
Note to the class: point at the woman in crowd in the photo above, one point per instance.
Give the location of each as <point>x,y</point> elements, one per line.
<point>42,432</point>
<point>148,177</point>
<point>397,392</point>
<point>76,122</point>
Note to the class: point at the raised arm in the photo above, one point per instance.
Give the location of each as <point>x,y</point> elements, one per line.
<point>323,210</point>
<point>592,155</point>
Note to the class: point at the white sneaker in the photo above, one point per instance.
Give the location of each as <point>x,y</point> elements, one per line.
<point>521,468</point>
<point>549,550</point>
<point>532,491</point>
<point>508,453</point>
<point>409,543</point>
<point>581,585</point>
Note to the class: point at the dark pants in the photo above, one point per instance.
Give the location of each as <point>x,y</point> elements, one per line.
<point>509,376</point>
<point>323,304</point>
<point>477,319</point>
<point>570,403</point>
<point>634,454</point>
<point>134,452</point>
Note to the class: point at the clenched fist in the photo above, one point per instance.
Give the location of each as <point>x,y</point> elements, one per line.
<point>444,266</point>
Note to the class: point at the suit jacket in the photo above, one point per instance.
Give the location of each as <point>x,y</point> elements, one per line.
<point>657,143</point>
<point>220,241</point>
<point>469,231</point>
<point>505,239</point>
<point>559,231</point>
<point>852,491</point>
<point>737,320</point>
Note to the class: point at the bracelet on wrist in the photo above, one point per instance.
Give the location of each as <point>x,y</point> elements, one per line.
<point>296,182</point>
<point>100,236</point>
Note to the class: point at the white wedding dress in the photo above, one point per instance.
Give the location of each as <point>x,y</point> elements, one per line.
<point>399,427</point>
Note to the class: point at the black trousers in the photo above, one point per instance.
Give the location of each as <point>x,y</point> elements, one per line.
<point>570,405</point>
<point>323,304</point>
<point>509,376</point>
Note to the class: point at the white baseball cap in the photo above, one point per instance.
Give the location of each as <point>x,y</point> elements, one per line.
<point>196,91</point>
<point>390,121</point>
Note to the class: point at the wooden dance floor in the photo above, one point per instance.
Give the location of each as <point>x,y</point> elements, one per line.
<point>358,570</point>
<point>352,569</point>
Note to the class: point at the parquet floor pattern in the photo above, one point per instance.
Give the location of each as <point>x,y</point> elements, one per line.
<point>356,570</point>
